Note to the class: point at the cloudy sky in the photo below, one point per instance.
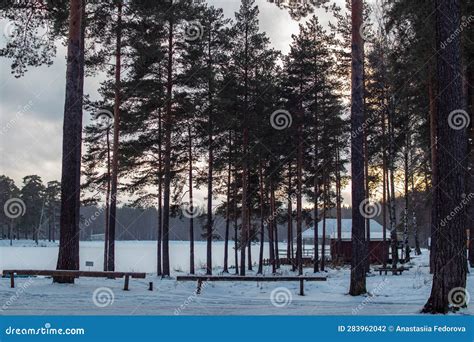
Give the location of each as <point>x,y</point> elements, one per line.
<point>31,107</point>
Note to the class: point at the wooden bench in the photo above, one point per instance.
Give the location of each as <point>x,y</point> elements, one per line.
<point>395,271</point>
<point>75,274</point>
<point>202,278</point>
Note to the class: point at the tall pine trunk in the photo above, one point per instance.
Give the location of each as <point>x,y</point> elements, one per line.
<point>470,184</point>
<point>249,239</point>
<point>245,143</point>
<point>299,194</point>
<point>159,261</point>
<point>115,156</point>
<point>262,217</point>
<point>406,257</point>
<point>367,194</point>
<point>450,265</point>
<point>338,203</point>
<point>167,169</point>
<point>227,213</point>
<point>434,161</point>
<point>316,220</point>
<point>323,241</point>
<point>357,286</point>
<point>236,226</point>
<point>271,237</point>
<point>391,185</point>
<point>289,246</point>
<point>413,213</point>
<point>68,257</point>
<point>209,222</point>
<point>191,204</point>
<point>384,188</point>
<point>107,204</point>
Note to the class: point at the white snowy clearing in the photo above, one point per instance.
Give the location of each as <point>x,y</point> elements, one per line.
<point>388,295</point>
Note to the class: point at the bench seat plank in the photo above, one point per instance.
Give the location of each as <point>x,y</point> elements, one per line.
<point>73,273</point>
<point>248,278</point>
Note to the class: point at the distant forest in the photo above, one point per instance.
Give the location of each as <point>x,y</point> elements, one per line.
<point>41,220</point>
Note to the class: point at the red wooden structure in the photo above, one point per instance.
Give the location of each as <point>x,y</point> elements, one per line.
<point>377,250</point>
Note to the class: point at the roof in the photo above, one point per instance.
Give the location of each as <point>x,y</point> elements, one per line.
<point>376,229</point>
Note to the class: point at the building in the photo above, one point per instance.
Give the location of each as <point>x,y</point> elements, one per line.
<point>377,249</point>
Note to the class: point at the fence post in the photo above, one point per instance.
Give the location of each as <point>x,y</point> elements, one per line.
<point>301,287</point>
<point>127,278</point>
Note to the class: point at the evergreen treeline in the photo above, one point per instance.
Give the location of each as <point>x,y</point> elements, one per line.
<point>29,212</point>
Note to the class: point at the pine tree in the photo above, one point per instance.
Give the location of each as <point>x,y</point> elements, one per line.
<point>357,286</point>
<point>450,266</point>
<point>68,258</point>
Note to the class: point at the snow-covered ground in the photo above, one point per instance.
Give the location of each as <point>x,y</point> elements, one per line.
<point>389,295</point>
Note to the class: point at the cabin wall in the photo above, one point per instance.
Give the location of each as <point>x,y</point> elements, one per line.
<point>377,250</point>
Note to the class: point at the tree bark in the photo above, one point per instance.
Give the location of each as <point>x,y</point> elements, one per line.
<point>406,177</point>
<point>115,156</point>
<point>471,165</point>
<point>323,242</point>
<point>338,203</point>
<point>415,227</point>
<point>227,214</point>
<point>357,286</point>
<point>434,158</point>
<point>236,226</point>
<point>167,169</point>
<point>289,247</point>
<point>159,259</point>
<point>209,222</point>
<point>367,193</point>
<point>262,217</point>
<point>299,194</point>
<point>270,227</point>
<point>316,220</point>
<point>107,204</point>
<point>450,263</point>
<point>68,258</point>
<point>191,205</point>
<point>384,190</point>
<point>391,184</point>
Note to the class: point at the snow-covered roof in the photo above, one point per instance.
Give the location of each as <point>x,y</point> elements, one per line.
<point>376,229</point>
